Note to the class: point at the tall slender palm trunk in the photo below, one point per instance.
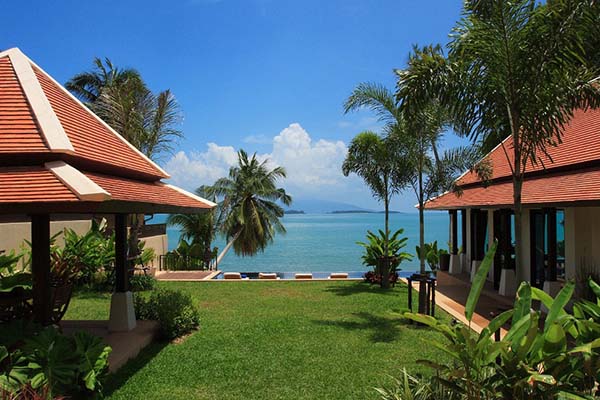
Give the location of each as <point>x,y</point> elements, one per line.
<point>384,268</point>
<point>422,283</point>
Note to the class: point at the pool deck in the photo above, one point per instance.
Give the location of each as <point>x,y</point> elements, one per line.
<point>186,276</point>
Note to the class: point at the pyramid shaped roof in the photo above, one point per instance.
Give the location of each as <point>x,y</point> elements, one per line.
<point>55,151</point>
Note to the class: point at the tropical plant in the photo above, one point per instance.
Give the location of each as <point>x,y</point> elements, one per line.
<point>514,70</point>
<point>384,252</point>
<point>47,360</point>
<point>431,254</point>
<point>538,358</point>
<point>249,206</point>
<point>174,311</point>
<point>10,278</point>
<point>122,99</point>
<point>141,283</point>
<point>200,229</point>
<point>409,387</point>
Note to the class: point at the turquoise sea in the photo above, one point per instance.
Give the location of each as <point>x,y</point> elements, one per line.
<point>327,242</point>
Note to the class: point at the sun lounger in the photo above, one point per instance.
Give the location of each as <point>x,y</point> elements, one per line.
<point>338,275</point>
<point>267,275</point>
<point>232,275</point>
<point>303,276</point>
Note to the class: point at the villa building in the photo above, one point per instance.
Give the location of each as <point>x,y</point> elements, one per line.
<point>561,212</point>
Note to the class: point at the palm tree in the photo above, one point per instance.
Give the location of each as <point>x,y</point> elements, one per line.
<point>122,99</point>
<point>147,120</point>
<point>88,86</point>
<point>515,69</point>
<point>250,213</point>
<point>409,154</point>
<point>379,161</point>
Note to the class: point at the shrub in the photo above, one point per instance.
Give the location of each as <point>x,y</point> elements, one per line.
<point>174,311</point>
<point>140,283</point>
<point>43,361</point>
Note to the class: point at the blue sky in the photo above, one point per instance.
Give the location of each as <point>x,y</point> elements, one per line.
<point>264,75</point>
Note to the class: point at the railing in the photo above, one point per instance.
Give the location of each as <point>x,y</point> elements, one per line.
<point>174,262</point>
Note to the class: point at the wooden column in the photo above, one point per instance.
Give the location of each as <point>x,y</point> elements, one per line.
<point>40,267</point>
<point>121,272</point>
<point>463,229</point>
<point>453,231</point>
<point>551,231</point>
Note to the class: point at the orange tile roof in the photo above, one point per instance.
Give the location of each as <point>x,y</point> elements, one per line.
<point>129,190</point>
<point>32,184</point>
<point>573,187</point>
<point>580,143</point>
<point>91,139</point>
<point>18,130</point>
<point>40,122</point>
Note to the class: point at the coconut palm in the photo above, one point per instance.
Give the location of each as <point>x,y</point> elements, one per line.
<point>122,99</point>
<point>250,213</point>
<point>514,69</point>
<point>378,160</point>
<point>408,156</point>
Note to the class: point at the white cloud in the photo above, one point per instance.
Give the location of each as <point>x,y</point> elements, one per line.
<point>314,168</point>
<point>257,139</point>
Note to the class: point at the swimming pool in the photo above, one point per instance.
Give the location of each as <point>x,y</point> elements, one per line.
<point>315,275</point>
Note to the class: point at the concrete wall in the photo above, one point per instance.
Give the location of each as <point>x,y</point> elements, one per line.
<point>160,244</point>
<point>13,235</point>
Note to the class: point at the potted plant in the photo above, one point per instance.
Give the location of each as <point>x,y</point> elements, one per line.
<point>386,264</point>
<point>432,256</point>
<point>444,260</point>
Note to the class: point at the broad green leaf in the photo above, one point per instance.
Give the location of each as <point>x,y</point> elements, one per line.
<point>517,330</point>
<point>522,301</point>
<point>561,300</point>
<point>479,281</point>
<point>496,324</point>
<point>586,348</point>
<point>595,287</point>
<point>555,340</point>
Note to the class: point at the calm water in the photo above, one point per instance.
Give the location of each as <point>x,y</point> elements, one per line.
<point>327,242</point>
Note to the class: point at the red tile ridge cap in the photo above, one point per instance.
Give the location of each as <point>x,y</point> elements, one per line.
<point>82,186</point>
<point>51,129</point>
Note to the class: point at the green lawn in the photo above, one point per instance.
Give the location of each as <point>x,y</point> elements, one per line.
<point>275,340</point>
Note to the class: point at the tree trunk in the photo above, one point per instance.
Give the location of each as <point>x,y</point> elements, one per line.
<point>384,268</point>
<point>517,188</point>
<point>226,248</point>
<point>132,242</point>
<point>422,283</point>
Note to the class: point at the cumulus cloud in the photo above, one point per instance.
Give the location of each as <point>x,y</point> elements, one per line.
<point>313,166</point>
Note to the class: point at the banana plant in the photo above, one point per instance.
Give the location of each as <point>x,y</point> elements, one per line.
<point>540,357</point>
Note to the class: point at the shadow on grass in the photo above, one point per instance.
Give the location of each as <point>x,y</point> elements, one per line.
<point>89,294</point>
<point>350,289</point>
<point>383,329</point>
<point>115,380</point>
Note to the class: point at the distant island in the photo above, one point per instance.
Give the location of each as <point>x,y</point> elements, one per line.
<point>294,212</point>
<point>362,212</point>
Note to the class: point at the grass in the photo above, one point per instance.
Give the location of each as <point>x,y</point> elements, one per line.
<point>275,340</point>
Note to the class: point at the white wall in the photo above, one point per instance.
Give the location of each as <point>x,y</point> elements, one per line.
<point>13,235</point>
<point>582,239</point>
